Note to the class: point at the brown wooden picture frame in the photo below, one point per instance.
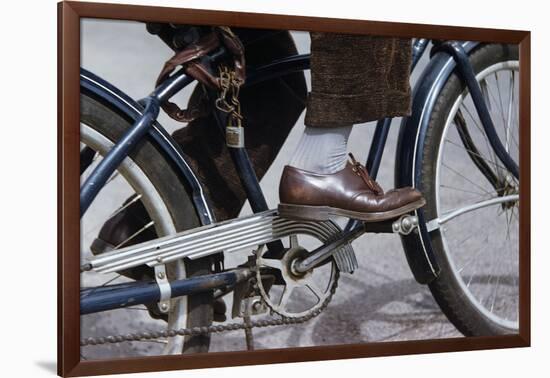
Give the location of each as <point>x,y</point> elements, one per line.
<point>69,15</point>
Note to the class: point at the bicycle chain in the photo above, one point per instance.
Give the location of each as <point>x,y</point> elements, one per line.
<point>114,339</point>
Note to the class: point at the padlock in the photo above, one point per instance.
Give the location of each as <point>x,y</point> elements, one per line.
<point>234,136</point>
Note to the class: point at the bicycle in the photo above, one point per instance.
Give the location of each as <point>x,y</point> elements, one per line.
<point>121,137</point>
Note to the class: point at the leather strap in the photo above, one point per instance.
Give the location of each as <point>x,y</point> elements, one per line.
<point>236,48</point>
<point>189,58</point>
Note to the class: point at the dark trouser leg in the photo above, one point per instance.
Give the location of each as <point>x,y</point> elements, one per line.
<point>357,79</point>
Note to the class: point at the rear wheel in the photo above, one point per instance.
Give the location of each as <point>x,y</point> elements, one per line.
<point>146,184</point>
<point>473,200</point>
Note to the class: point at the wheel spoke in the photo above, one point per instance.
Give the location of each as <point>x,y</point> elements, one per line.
<point>500,99</point>
<point>495,291</point>
<point>151,223</point>
<point>482,132</point>
<point>470,280</point>
<point>515,115</point>
<point>93,290</point>
<point>134,199</point>
<point>460,190</point>
<point>464,240</point>
<point>465,178</point>
<point>485,92</point>
<point>476,154</point>
<point>471,259</point>
<point>463,106</point>
<point>477,194</point>
<point>114,176</point>
<point>510,110</point>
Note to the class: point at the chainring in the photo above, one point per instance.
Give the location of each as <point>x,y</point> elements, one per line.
<point>294,280</point>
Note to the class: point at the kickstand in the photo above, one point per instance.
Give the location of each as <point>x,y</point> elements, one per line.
<point>248,331</point>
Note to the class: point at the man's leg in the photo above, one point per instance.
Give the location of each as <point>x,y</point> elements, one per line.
<point>322,150</point>
<point>355,79</point>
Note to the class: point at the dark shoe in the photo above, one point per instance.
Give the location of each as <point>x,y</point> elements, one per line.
<point>123,230</point>
<point>350,193</point>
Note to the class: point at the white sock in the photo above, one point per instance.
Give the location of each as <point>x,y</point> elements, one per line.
<point>322,149</point>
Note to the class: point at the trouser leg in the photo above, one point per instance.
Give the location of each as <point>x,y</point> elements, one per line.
<point>357,79</point>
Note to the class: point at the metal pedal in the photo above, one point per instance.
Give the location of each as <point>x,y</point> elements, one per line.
<point>405,224</point>
<point>346,260</point>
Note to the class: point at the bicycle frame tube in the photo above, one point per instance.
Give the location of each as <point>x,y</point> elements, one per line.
<point>465,69</point>
<point>278,68</point>
<point>111,297</point>
<point>249,180</point>
<point>99,176</point>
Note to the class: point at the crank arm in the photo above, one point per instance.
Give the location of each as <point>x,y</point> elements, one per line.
<point>404,225</point>
<point>319,255</point>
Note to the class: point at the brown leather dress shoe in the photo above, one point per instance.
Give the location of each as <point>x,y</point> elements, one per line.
<point>350,193</point>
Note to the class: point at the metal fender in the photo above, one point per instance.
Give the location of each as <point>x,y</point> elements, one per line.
<point>106,93</point>
<point>410,145</point>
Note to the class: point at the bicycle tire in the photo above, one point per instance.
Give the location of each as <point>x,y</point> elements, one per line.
<point>112,124</point>
<point>447,290</point>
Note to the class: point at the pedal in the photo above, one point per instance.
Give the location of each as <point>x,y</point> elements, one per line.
<point>405,224</point>
<point>346,260</point>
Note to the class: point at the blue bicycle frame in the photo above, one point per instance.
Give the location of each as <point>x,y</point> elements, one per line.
<point>446,57</point>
